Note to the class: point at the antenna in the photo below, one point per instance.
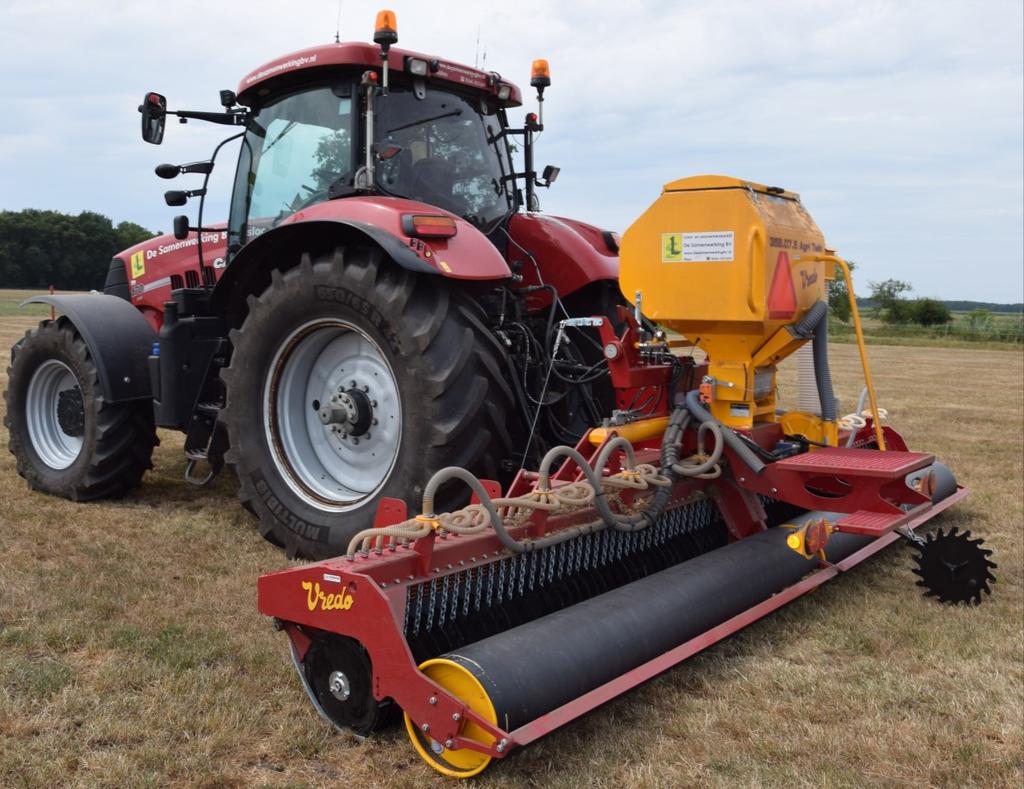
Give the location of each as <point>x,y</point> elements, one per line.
<point>476,57</point>
<point>337,28</point>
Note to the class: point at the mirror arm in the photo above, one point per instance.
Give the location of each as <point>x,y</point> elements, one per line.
<point>230,118</point>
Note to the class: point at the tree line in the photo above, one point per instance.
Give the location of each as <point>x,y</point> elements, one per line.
<point>889,302</point>
<point>41,248</point>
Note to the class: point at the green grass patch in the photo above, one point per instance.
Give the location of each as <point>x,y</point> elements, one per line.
<point>34,676</point>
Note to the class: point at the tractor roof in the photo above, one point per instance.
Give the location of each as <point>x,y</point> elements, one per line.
<point>286,69</point>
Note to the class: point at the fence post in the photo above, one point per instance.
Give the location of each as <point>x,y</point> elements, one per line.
<point>53,310</point>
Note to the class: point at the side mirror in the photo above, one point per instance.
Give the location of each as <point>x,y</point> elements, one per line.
<point>174,170</point>
<point>181,196</point>
<point>154,117</point>
<point>550,175</point>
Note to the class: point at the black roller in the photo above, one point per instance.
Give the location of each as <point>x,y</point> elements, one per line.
<point>536,667</point>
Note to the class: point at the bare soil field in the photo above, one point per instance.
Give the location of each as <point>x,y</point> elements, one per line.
<point>132,654</point>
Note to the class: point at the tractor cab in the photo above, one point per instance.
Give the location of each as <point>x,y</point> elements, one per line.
<point>330,133</point>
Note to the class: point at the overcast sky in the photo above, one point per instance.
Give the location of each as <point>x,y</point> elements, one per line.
<point>900,123</point>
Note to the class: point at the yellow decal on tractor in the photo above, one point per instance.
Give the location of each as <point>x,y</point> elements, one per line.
<point>138,264</point>
<point>316,598</point>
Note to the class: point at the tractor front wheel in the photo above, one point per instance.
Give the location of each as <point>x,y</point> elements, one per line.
<point>352,379</point>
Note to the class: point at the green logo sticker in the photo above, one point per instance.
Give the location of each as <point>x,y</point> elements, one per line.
<point>671,247</point>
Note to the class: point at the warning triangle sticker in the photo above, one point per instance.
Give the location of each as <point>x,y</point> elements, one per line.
<point>781,294</point>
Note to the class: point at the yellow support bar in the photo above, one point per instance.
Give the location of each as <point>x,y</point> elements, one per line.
<point>860,344</point>
<point>641,430</point>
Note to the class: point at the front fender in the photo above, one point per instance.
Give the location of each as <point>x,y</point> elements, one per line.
<point>118,337</point>
<point>467,255</point>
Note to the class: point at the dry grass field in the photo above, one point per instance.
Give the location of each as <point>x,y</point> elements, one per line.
<point>131,652</point>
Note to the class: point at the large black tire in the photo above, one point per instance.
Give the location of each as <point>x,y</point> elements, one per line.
<point>117,439</point>
<point>456,408</point>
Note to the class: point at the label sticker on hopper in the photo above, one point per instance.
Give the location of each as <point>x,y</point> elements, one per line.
<point>708,247</point>
<point>712,247</point>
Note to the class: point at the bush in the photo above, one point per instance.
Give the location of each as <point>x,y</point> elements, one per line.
<point>930,312</point>
<point>899,311</point>
<point>838,297</point>
<point>979,318</point>
<point>890,306</point>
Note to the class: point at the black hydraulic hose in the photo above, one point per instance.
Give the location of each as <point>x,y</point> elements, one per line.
<point>671,442</point>
<point>815,325</point>
<point>696,407</point>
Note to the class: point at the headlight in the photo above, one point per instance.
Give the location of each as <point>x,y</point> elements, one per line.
<point>416,66</point>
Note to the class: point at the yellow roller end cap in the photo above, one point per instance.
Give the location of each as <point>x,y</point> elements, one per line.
<point>461,763</point>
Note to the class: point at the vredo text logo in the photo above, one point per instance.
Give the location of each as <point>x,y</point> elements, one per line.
<point>316,598</point>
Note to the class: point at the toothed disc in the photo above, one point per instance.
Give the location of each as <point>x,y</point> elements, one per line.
<point>954,568</point>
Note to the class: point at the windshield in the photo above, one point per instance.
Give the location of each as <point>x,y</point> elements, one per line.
<point>294,150</point>
<point>445,150</point>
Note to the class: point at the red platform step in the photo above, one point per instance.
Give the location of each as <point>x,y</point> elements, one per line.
<point>869,472</point>
<point>858,462</point>
<point>875,524</point>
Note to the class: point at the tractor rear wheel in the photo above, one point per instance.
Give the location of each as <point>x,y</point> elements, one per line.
<point>66,439</point>
<point>352,379</point>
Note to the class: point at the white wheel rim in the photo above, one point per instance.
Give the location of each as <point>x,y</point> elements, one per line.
<point>323,466</point>
<point>55,448</point>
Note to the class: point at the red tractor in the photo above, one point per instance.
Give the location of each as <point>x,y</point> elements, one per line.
<point>380,304</point>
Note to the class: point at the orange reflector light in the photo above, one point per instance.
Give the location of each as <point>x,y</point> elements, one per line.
<point>816,535</point>
<point>540,74</point>
<point>429,226</point>
<point>810,539</point>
